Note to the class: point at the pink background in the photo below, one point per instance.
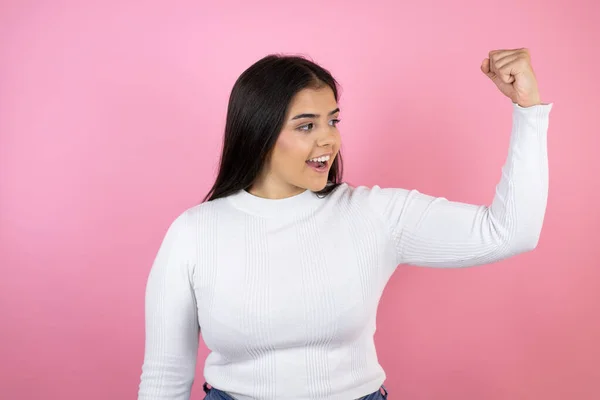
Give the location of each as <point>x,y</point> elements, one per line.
<point>111,118</point>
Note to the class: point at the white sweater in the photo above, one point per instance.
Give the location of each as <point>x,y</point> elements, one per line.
<point>286,291</point>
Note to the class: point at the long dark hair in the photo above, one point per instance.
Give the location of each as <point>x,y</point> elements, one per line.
<point>256,112</point>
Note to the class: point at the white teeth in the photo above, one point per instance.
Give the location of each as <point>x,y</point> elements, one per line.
<point>321,159</point>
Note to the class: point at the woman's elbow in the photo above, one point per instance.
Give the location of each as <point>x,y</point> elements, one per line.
<point>524,243</point>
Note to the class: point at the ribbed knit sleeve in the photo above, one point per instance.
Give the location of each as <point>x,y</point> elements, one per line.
<point>433,231</point>
<point>171,319</point>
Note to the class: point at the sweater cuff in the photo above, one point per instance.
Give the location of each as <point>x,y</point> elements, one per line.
<point>538,107</point>
<point>540,110</point>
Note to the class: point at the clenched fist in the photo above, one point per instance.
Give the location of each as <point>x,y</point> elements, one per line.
<point>512,73</point>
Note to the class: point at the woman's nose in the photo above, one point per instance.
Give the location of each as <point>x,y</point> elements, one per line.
<point>328,137</point>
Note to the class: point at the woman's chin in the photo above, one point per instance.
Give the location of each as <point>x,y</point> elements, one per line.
<point>317,185</point>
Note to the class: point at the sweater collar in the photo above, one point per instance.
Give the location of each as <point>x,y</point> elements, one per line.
<point>289,206</point>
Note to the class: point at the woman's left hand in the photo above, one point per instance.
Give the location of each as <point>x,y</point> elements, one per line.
<point>513,74</point>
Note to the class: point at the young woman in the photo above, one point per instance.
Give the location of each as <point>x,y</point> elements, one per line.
<point>282,267</point>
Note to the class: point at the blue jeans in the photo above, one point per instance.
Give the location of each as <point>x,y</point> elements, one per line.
<point>216,394</point>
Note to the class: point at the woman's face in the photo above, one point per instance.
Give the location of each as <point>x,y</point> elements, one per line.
<point>305,149</point>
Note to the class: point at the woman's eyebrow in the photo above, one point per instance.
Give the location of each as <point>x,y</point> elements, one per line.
<point>314,115</point>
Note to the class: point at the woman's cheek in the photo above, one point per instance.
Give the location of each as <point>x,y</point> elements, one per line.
<point>293,147</point>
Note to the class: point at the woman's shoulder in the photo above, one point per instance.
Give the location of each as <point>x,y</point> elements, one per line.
<point>195,215</point>
<point>363,193</point>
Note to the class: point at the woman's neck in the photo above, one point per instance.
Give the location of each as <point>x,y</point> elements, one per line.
<point>275,191</point>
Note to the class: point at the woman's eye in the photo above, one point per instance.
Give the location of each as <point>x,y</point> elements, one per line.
<point>306,127</point>
<point>310,126</point>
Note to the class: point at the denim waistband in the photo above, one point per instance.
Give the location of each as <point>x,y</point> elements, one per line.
<point>216,394</point>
